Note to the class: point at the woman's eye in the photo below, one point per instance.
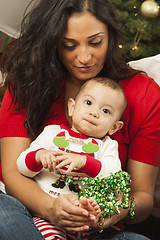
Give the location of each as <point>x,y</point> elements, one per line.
<point>88,102</point>
<point>69,46</point>
<point>106,111</point>
<point>97,43</point>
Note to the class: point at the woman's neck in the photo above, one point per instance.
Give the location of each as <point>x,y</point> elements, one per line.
<point>72,87</point>
<point>71,90</point>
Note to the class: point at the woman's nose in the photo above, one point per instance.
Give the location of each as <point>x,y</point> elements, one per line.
<point>84,56</point>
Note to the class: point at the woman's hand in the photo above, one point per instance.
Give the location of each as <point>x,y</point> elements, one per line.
<point>115,218</point>
<point>66,214</point>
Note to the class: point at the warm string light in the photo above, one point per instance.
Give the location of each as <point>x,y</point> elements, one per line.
<point>120,46</point>
<point>135,7</point>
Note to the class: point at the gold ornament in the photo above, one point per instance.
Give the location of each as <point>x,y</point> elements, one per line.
<point>150,9</point>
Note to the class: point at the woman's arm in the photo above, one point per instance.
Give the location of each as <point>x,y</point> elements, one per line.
<point>143,182</point>
<point>62,211</point>
<point>17,185</point>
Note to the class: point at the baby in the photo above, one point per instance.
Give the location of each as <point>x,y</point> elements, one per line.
<point>85,149</point>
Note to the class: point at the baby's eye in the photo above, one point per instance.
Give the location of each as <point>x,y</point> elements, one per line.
<point>106,111</point>
<point>88,102</point>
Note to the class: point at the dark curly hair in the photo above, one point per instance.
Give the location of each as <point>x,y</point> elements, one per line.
<point>34,69</point>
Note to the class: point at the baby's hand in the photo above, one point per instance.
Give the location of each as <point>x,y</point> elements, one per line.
<point>92,207</point>
<point>73,160</point>
<point>46,158</point>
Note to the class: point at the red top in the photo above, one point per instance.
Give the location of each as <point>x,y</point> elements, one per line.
<point>139,139</point>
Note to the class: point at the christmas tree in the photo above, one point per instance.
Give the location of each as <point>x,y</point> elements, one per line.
<point>141,23</point>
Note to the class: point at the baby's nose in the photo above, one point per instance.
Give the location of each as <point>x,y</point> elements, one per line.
<point>94,113</point>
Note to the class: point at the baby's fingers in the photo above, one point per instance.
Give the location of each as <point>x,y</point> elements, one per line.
<point>44,163</point>
<point>60,158</point>
<point>47,163</point>
<point>70,168</point>
<point>95,205</point>
<point>63,163</point>
<point>58,153</point>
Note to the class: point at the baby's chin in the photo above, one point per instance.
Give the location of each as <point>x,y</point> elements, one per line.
<point>92,134</point>
<point>88,130</point>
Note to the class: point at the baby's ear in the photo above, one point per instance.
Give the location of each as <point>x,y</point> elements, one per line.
<point>116,126</point>
<point>71,105</point>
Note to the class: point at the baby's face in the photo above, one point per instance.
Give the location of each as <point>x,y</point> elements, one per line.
<point>96,110</point>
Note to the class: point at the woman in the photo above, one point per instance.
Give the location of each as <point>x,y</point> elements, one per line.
<point>63,43</point>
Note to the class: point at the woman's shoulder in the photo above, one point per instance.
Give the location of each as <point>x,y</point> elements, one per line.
<point>141,119</point>
<point>141,79</point>
<point>143,103</point>
<point>140,88</point>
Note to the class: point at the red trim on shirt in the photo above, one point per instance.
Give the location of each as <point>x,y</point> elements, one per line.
<point>73,133</point>
<point>31,163</point>
<point>92,166</point>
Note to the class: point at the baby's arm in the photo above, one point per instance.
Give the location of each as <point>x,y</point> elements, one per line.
<point>27,163</point>
<point>101,165</point>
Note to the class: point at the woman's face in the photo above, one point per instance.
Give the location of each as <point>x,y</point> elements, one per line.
<point>84,46</point>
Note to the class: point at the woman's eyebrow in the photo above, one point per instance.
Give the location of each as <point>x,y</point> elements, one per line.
<point>71,39</point>
<point>68,39</point>
<point>95,35</point>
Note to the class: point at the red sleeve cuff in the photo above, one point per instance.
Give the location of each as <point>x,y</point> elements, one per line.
<point>31,163</point>
<point>92,166</point>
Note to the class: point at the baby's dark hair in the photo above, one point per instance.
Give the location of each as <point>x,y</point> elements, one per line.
<point>110,84</point>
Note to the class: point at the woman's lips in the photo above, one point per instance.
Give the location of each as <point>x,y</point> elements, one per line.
<point>85,69</point>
